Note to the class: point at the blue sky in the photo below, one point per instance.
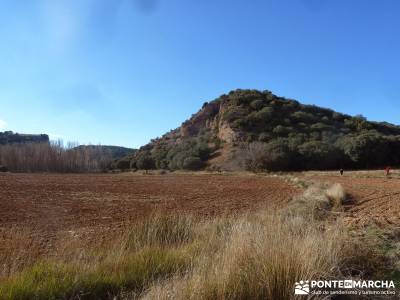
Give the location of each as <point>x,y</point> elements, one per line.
<point>125,71</point>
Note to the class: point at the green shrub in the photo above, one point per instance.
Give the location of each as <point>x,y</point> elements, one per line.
<point>192,163</point>
<point>282,130</point>
<point>257,104</point>
<point>145,162</point>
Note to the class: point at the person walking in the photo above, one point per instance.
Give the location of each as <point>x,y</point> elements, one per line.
<point>341,172</point>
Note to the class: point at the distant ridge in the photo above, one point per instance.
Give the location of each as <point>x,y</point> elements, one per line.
<point>9,137</point>
<point>116,152</point>
<point>257,130</point>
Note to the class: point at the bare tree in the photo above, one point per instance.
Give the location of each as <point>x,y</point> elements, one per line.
<point>54,157</point>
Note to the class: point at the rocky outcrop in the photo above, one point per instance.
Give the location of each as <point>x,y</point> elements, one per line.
<point>210,118</point>
<point>9,137</point>
<point>205,118</point>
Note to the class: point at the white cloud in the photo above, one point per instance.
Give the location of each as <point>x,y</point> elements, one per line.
<point>2,124</point>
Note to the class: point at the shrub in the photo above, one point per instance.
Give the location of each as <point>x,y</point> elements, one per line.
<point>264,137</point>
<point>319,155</point>
<point>282,130</point>
<point>265,113</point>
<point>145,162</point>
<point>122,164</point>
<point>320,126</point>
<point>272,156</point>
<point>303,117</point>
<point>257,104</point>
<point>192,163</point>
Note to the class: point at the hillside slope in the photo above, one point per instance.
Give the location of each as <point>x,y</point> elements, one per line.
<point>250,129</point>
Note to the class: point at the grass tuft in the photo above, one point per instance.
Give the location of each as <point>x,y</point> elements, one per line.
<point>336,194</point>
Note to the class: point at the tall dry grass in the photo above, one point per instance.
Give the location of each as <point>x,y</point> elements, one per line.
<point>259,257</point>
<point>336,194</point>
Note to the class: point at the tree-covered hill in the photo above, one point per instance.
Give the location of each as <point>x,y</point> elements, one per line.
<point>257,130</point>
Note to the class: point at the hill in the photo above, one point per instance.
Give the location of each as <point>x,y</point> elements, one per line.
<point>114,152</point>
<point>257,130</point>
<point>9,137</point>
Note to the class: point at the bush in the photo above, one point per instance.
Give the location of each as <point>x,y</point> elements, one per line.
<point>272,156</point>
<point>145,162</point>
<point>319,155</point>
<point>122,164</point>
<point>282,130</point>
<point>303,117</point>
<point>264,137</point>
<point>192,163</point>
<point>257,104</point>
<point>367,150</point>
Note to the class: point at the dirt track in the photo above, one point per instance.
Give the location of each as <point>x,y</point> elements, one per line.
<point>376,198</point>
<point>49,204</point>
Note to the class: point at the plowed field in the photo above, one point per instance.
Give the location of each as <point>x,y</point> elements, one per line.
<point>376,198</point>
<point>49,206</point>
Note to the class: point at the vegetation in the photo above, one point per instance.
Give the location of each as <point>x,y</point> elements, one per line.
<point>9,137</point>
<point>254,256</point>
<point>290,136</point>
<point>116,152</point>
<point>188,154</point>
<point>54,157</point>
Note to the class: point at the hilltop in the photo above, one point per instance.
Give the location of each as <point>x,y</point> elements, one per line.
<point>9,137</point>
<point>257,130</point>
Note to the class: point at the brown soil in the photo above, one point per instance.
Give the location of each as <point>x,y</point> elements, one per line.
<point>376,198</point>
<point>49,206</point>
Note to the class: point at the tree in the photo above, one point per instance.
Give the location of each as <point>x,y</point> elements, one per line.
<point>318,155</point>
<point>273,156</point>
<point>192,163</point>
<point>145,162</point>
<point>367,150</point>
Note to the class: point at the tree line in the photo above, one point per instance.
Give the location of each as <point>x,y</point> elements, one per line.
<point>54,157</point>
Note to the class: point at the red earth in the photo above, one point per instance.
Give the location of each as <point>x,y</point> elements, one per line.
<point>375,197</point>
<point>49,206</point>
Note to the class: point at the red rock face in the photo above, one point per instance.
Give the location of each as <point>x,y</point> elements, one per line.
<point>205,118</point>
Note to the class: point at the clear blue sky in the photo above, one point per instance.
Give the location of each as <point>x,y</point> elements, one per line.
<point>125,71</point>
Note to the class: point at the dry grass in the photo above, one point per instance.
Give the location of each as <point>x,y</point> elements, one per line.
<point>336,194</point>
<point>255,256</point>
<point>17,251</point>
<point>261,257</point>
